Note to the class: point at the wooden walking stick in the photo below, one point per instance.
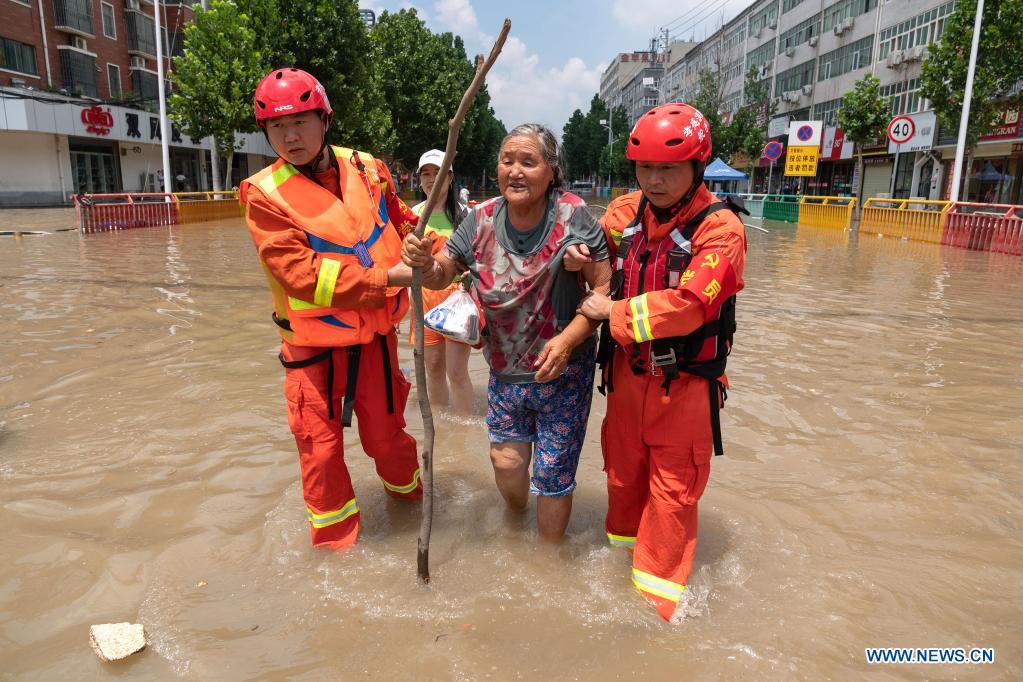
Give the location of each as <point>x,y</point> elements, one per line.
<point>454,127</point>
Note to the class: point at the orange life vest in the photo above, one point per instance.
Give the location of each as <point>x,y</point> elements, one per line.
<point>355,230</point>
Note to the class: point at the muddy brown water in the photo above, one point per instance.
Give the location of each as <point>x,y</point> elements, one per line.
<point>870,495</point>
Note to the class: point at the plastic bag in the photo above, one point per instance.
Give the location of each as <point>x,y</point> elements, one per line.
<point>457,318</point>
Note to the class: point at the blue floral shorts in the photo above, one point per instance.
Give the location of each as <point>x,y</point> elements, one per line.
<point>552,416</point>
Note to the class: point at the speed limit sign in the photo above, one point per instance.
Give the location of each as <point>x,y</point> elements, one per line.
<point>901,130</point>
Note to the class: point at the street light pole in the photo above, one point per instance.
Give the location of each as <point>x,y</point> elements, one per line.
<point>606,122</point>
<point>964,118</point>
<point>162,94</point>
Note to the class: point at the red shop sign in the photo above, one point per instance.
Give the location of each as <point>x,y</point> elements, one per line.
<point>97,120</point>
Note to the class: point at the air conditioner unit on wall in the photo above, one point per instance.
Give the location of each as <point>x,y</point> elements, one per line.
<point>138,63</point>
<point>847,23</point>
<point>79,43</point>
<point>895,57</point>
<point>131,4</point>
<point>917,53</point>
<point>813,41</point>
<point>790,96</point>
<point>807,89</point>
<point>789,51</point>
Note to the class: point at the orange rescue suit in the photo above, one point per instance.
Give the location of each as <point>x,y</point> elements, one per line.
<point>326,243</point>
<point>657,438</point>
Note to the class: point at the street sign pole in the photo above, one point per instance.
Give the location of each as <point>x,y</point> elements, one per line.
<point>895,171</point>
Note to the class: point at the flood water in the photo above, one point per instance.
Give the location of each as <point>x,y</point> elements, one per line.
<point>870,495</point>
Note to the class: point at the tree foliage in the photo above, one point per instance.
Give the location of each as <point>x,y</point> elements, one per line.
<point>217,74</point>
<point>748,131</point>
<point>584,139</point>
<point>422,78</point>
<point>863,117</point>
<point>999,66</point>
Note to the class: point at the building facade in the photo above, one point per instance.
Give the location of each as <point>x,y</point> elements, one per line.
<point>78,102</point>
<point>635,80</point>
<point>813,52</point>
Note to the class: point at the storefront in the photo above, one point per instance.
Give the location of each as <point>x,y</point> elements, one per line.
<point>996,171</point>
<point>52,147</point>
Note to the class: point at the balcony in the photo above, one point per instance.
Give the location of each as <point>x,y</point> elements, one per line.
<point>78,72</point>
<point>146,87</point>
<point>73,16</point>
<point>141,33</point>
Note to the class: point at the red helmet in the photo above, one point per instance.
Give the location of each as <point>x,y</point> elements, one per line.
<point>670,132</point>
<point>289,91</point>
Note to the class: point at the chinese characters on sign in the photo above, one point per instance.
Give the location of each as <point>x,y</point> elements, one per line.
<point>1007,125</point>
<point>802,161</point>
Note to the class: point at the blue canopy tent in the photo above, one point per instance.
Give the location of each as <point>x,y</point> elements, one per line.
<point>719,170</point>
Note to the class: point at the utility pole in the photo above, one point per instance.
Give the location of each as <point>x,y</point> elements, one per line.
<point>606,122</point>
<point>161,90</point>
<point>964,118</point>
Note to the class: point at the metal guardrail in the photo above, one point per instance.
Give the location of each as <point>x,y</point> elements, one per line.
<point>784,207</point>
<point>129,210</point>
<point>826,211</point>
<point>917,219</point>
<point>985,227</point>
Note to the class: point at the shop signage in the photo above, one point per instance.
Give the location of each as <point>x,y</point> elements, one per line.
<point>1017,148</point>
<point>805,133</point>
<point>802,161</point>
<point>98,120</point>
<point>912,132</point>
<point>1006,127</point>
<point>835,146</point>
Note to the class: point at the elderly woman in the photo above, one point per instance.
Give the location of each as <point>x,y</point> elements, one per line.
<point>541,353</point>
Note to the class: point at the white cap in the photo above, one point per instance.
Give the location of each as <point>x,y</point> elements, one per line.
<point>433,157</point>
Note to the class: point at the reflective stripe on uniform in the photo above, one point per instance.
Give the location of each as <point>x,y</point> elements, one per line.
<point>621,540</point>
<point>616,236</point>
<point>330,518</point>
<point>325,281</point>
<point>659,587</point>
<point>640,319</point>
<point>271,182</point>
<point>403,488</point>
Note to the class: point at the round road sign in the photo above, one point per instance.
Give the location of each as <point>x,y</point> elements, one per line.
<point>773,150</point>
<point>901,130</point>
<point>804,133</point>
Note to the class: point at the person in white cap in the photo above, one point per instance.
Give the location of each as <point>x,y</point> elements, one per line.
<point>447,361</point>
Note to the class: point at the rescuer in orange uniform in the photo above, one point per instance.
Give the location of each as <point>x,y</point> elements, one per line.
<point>328,228</point>
<point>678,257</point>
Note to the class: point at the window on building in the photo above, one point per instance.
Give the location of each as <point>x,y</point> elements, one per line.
<point>114,80</point>
<point>905,97</point>
<point>845,59</point>
<point>733,39</point>
<point>15,56</point>
<point>24,2</point>
<point>923,29</point>
<point>787,5</point>
<point>732,102</point>
<point>765,18</point>
<point>827,112</point>
<point>761,55</point>
<point>796,77</point>
<point>800,33</point>
<point>844,9</point>
<point>109,26</point>
<point>731,70</point>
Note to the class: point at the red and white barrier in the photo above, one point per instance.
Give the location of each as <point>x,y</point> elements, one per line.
<point>985,227</point>
<point>103,212</point>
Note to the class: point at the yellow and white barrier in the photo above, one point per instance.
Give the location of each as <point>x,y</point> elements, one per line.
<point>916,219</point>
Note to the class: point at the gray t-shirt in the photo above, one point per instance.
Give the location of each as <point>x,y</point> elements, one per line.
<point>583,228</point>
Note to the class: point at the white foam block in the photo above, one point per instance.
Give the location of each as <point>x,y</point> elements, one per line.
<point>114,641</point>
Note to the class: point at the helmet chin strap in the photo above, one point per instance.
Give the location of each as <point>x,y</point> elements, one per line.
<point>310,167</point>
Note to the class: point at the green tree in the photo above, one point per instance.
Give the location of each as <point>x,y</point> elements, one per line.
<point>328,39</point>
<point>216,76</point>
<point>584,139</point>
<point>749,125</point>
<point>423,76</point>
<point>708,101</point>
<point>863,116</point>
<point>999,67</point>
<point>613,161</point>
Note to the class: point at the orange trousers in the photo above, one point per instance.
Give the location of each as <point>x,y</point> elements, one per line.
<point>331,505</point>
<point>657,458</point>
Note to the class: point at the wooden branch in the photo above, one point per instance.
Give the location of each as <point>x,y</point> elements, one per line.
<point>454,128</point>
